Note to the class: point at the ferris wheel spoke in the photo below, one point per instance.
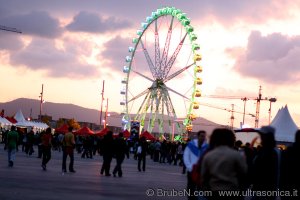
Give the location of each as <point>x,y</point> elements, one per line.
<point>170,110</point>
<point>139,95</point>
<point>143,110</point>
<point>142,75</point>
<point>169,105</point>
<point>175,92</point>
<point>149,61</point>
<point>173,58</point>
<point>157,50</point>
<point>166,49</point>
<point>160,113</point>
<point>177,73</point>
<point>157,103</point>
<point>151,118</point>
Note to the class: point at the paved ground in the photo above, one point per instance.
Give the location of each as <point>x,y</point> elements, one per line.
<point>27,181</point>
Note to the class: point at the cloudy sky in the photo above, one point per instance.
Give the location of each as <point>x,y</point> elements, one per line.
<point>71,46</point>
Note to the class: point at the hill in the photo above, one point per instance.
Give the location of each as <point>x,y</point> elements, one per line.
<point>56,110</point>
<point>81,114</point>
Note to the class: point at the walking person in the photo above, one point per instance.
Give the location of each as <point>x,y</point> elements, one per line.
<point>192,153</point>
<point>68,150</point>
<point>265,172</point>
<point>120,150</point>
<point>12,140</point>
<point>290,165</point>
<point>141,153</point>
<point>46,147</point>
<point>107,152</point>
<point>223,168</point>
<point>39,142</point>
<point>157,146</point>
<point>30,141</point>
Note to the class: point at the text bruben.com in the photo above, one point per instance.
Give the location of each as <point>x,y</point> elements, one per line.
<point>160,192</point>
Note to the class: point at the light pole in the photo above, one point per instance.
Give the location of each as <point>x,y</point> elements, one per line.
<point>102,98</point>
<point>272,100</point>
<point>41,102</point>
<point>245,99</point>
<point>105,118</point>
<point>232,117</point>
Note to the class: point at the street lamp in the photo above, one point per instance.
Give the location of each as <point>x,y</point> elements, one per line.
<point>245,99</point>
<point>41,102</point>
<point>272,100</point>
<point>101,106</point>
<point>106,113</point>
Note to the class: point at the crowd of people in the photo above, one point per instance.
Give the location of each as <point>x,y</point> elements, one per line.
<point>220,162</point>
<point>224,164</point>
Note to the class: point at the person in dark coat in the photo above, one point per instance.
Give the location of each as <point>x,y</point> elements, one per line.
<point>120,150</point>
<point>265,169</point>
<point>141,153</point>
<point>290,167</point>
<point>107,153</point>
<point>46,147</point>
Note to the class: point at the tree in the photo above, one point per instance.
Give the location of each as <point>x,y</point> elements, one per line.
<point>73,123</point>
<point>60,122</point>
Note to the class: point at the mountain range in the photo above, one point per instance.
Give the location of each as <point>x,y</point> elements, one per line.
<point>31,108</point>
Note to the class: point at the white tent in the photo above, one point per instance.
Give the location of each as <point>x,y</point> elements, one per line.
<point>39,125</point>
<point>284,125</point>
<point>21,122</point>
<point>4,121</point>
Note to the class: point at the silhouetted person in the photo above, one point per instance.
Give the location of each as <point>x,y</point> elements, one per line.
<point>223,168</point>
<point>141,153</point>
<point>157,146</point>
<point>39,142</point>
<point>46,147</point>
<point>163,152</point>
<point>290,167</point>
<point>265,170</point>
<point>107,153</point>
<point>29,144</point>
<point>68,150</point>
<point>120,150</point>
<point>86,144</point>
<point>12,140</point>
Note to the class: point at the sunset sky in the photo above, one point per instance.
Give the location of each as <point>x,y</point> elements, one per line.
<point>71,46</point>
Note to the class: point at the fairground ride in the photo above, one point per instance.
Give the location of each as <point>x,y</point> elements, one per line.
<point>162,74</point>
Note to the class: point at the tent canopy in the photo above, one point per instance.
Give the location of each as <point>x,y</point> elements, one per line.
<point>63,129</point>
<point>11,119</point>
<point>284,125</point>
<point>84,131</point>
<point>21,121</point>
<point>148,136</point>
<point>102,132</point>
<point>19,116</point>
<point>4,121</point>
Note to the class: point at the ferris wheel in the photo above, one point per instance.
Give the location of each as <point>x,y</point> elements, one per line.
<point>162,74</point>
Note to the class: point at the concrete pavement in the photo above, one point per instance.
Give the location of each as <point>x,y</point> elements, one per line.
<point>27,181</point>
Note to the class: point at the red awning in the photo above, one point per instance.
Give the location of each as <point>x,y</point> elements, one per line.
<point>84,131</point>
<point>148,136</point>
<point>101,133</point>
<point>63,129</point>
<point>11,119</point>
